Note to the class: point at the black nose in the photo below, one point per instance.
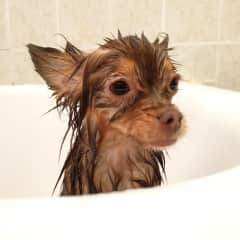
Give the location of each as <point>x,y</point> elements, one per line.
<point>171,119</point>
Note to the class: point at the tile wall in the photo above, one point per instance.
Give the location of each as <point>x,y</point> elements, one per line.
<point>205,33</point>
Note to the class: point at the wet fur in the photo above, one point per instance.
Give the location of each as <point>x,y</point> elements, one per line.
<point>105,153</point>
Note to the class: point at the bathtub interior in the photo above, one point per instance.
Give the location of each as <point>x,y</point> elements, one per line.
<point>30,141</point>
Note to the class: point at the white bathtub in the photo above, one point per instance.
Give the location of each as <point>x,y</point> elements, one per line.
<point>205,208</point>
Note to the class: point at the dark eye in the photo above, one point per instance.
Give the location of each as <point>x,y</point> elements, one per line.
<point>174,83</point>
<point>119,87</point>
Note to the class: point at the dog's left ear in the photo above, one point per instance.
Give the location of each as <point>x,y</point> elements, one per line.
<point>62,70</point>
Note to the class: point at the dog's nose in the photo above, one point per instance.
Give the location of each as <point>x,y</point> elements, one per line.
<point>171,118</point>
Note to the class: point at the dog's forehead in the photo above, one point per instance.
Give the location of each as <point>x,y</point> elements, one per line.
<point>139,56</point>
<point>126,66</point>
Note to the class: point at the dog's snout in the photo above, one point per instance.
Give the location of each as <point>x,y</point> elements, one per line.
<point>171,119</point>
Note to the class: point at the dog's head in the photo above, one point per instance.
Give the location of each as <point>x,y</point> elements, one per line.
<point>126,84</point>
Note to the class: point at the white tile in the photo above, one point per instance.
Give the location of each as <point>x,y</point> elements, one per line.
<point>5,67</point>
<point>228,74</point>
<point>198,63</point>
<point>230,20</point>
<point>22,68</point>
<point>137,17</point>
<point>32,21</point>
<point>85,23</point>
<point>3,25</point>
<point>192,20</point>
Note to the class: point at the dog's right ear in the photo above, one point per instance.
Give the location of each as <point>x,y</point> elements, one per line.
<point>62,71</point>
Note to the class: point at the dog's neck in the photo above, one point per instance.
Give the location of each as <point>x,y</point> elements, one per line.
<point>118,163</point>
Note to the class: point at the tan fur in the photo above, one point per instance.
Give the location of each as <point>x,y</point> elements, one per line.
<point>115,137</point>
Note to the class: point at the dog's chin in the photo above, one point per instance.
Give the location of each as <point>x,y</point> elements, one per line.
<point>160,145</point>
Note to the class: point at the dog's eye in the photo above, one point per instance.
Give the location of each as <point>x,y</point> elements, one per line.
<point>174,83</point>
<point>119,87</point>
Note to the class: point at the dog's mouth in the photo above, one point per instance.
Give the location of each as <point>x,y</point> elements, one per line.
<point>159,145</point>
<point>167,142</point>
<point>161,138</point>
<point>152,132</point>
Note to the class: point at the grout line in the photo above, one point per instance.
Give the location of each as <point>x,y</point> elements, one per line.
<point>206,43</point>
<point>163,18</point>
<point>7,15</point>
<point>216,65</point>
<point>92,46</point>
<point>57,15</point>
<point>110,16</point>
<point>217,57</point>
<point>57,19</point>
<point>89,47</point>
<point>220,9</point>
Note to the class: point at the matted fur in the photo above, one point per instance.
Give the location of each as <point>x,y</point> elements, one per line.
<point>95,163</point>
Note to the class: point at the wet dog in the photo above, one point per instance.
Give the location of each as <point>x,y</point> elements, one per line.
<point>120,112</point>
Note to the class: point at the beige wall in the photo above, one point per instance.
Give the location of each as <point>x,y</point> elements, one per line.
<point>206,33</point>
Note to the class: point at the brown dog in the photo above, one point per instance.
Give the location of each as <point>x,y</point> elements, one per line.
<point>120,111</point>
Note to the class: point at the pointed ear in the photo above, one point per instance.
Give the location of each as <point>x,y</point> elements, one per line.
<point>61,70</point>
<point>162,43</point>
<point>165,41</point>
